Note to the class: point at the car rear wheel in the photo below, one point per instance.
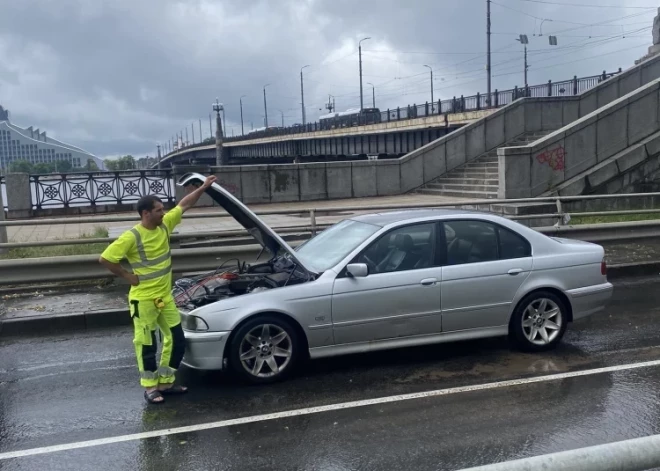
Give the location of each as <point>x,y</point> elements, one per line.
<point>539,322</point>
<point>265,349</point>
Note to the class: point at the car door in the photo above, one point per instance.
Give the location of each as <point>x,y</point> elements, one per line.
<point>484,266</point>
<point>399,297</point>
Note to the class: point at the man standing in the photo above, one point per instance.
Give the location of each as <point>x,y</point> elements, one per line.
<point>147,248</point>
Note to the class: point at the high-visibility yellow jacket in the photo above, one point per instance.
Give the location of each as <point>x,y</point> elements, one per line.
<point>148,253</point>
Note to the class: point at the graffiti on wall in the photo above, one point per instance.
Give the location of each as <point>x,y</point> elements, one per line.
<point>553,157</point>
<point>230,187</point>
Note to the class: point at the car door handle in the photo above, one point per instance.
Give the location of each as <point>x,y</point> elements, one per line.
<point>429,281</point>
<point>515,271</point>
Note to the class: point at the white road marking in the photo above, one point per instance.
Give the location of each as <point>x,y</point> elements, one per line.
<point>320,409</point>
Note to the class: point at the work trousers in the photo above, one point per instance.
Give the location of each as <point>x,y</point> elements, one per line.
<point>146,318</point>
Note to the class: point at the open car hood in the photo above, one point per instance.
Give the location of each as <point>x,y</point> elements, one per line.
<point>267,237</point>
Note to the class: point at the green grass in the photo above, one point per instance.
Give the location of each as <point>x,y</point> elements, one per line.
<point>576,220</point>
<point>60,250</point>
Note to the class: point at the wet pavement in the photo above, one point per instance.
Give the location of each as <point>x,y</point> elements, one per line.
<point>66,389</point>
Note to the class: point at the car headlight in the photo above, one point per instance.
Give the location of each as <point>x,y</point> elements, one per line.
<point>194,323</point>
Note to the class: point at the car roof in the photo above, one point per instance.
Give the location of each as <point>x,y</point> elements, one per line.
<point>392,217</point>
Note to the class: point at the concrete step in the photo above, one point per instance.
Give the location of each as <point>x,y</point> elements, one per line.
<point>465,181</point>
<point>483,174</point>
<point>458,187</point>
<point>460,194</point>
<point>484,165</point>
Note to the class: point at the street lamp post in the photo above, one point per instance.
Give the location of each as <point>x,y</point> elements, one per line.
<point>241,101</point>
<point>302,95</point>
<point>360,54</point>
<point>373,94</point>
<point>282,113</point>
<point>429,67</point>
<point>219,155</point>
<point>265,107</point>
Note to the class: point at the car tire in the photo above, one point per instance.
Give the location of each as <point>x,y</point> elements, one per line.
<point>251,350</point>
<point>535,326</point>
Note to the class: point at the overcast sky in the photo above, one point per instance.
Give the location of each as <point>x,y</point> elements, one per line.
<point>117,77</point>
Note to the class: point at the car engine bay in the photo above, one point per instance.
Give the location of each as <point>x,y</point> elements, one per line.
<point>222,283</point>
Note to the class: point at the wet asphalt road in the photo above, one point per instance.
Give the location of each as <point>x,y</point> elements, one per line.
<point>66,389</point>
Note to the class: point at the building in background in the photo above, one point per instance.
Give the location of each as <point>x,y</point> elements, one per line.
<point>35,147</point>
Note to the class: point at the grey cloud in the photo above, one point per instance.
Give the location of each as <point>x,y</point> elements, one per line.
<point>119,76</point>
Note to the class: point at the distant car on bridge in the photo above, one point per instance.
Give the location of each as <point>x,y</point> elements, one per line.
<point>382,281</point>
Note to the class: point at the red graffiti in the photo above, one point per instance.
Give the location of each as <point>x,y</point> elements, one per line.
<point>230,187</point>
<point>553,157</point>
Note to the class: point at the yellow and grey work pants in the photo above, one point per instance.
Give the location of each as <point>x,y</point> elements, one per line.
<point>146,318</point>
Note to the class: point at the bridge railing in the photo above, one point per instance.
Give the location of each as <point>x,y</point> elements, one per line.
<point>499,98</point>
<point>99,188</point>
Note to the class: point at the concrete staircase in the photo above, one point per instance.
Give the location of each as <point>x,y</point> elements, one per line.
<point>479,178</point>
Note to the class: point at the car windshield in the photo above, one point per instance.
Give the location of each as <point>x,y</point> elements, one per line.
<point>330,246</point>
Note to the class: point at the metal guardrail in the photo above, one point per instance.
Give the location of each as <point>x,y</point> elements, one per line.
<point>570,87</point>
<point>637,454</point>
<point>562,217</point>
<point>51,269</point>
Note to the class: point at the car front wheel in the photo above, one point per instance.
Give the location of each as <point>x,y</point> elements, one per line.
<point>264,350</point>
<point>539,322</point>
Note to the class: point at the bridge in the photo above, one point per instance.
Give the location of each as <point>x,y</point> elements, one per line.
<point>394,132</point>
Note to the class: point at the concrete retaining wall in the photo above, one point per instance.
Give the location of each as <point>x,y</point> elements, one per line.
<point>580,149</point>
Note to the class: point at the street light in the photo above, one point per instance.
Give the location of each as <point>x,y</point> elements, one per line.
<point>218,107</point>
<point>302,95</point>
<point>265,107</point>
<point>373,94</point>
<point>524,41</point>
<point>282,113</point>
<point>241,101</point>
<point>360,54</point>
<point>429,67</point>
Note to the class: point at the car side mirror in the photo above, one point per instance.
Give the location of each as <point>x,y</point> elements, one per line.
<point>357,270</point>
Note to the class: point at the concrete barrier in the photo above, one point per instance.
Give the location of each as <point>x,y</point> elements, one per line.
<point>593,147</point>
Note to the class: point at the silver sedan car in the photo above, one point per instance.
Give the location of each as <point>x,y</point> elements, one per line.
<point>382,281</point>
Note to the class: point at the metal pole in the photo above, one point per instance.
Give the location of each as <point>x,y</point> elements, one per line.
<point>488,50</point>
<point>200,131</point>
<point>282,113</point>
<point>225,120</point>
<point>429,67</point>
<point>241,101</point>
<point>219,155</point>
<point>265,107</point>
<point>302,97</point>
<point>210,127</point>
<point>360,55</point>
<point>526,67</point>
<point>192,128</point>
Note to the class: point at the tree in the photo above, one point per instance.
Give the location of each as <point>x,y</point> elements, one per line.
<point>63,166</point>
<point>111,164</point>
<point>43,167</point>
<point>91,166</point>
<point>21,166</point>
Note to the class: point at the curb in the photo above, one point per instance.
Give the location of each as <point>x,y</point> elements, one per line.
<point>62,323</point>
<point>90,320</point>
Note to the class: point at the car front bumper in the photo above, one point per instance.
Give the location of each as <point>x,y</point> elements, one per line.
<point>205,350</point>
<point>589,300</point>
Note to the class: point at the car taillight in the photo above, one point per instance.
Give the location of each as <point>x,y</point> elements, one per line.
<point>603,268</point>
<point>229,276</point>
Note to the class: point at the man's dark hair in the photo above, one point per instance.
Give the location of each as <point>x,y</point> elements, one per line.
<point>147,203</point>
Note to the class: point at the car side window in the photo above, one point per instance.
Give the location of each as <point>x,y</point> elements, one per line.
<point>407,248</point>
<point>512,245</point>
<point>470,242</point>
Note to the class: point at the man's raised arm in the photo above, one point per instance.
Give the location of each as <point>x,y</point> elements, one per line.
<point>191,199</point>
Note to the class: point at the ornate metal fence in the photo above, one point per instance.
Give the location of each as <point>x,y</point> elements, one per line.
<point>107,188</point>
